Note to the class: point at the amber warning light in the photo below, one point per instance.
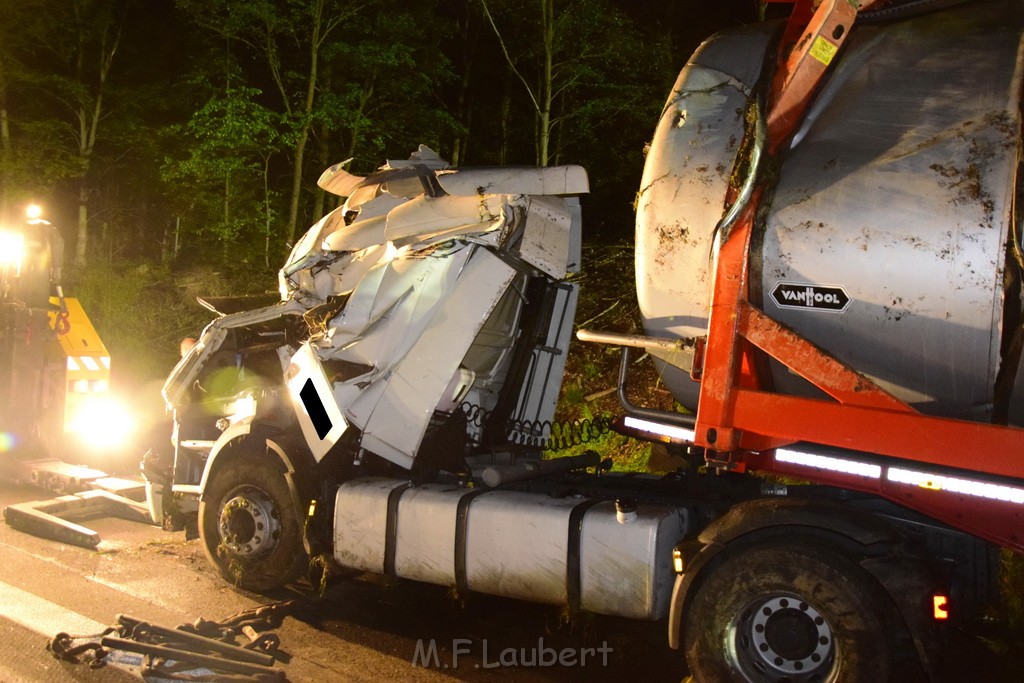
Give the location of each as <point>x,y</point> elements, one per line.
<point>940,607</point>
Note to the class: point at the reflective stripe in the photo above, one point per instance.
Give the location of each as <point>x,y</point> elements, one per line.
<point>671,431</point>
<point>822,462</point>
<point>89,363</point>
<point>969,487</point>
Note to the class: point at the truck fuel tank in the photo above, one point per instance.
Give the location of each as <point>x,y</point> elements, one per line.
<point>516,544</point>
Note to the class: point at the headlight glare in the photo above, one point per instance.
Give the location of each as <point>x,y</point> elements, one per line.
<point>102,422</point>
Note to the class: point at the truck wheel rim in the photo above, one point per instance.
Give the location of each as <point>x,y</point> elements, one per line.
<point>249,523</point>
<point>782,637</point>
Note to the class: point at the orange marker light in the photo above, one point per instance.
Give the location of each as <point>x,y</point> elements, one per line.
<point>940,607</point>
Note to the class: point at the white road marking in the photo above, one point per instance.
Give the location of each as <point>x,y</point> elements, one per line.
<point>43,616</point>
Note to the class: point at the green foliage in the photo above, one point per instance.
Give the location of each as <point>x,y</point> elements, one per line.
<point>233,139</point>
<point>578,68</point>
<point>235,126</point>
<point>1012,581</point>
<point>607,302</point>
<point>385,70</point>
<point>142,312</point>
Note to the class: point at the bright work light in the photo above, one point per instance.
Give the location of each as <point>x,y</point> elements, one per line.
<point>102,422</point>
<point>12,251</point>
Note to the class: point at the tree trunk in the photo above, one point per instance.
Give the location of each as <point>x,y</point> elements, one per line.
<point>506,105</point>
<point>541,99</point>
<point>227,214</point>
<point>324,159</point>
<point>463,112</point>
<point>266,211</point>
<point>464,115</point>
<point>547,84</point>
<point>89,115</point>
<point>293,205</point>
<point>300,147</point>
<point>82,243</point>
<point>227,200</point>
<point>324,149</point>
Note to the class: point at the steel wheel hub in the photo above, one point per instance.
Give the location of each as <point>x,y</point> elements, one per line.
<point>249,523</point>
<point>783,638</point>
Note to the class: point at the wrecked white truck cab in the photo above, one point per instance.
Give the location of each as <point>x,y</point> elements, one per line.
<point>421,333</point>
<point>419,286</point>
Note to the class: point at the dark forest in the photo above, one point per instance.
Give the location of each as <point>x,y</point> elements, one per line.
<point>176,145</point>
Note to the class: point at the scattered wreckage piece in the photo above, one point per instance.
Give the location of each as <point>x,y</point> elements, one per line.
<point>186,657</point>
<point>93,494</point>
<point>182,638</point>
<point>52,518</point>
<point>201,651</point>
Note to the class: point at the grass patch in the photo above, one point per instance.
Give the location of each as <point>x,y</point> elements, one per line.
<point>1012,583</point>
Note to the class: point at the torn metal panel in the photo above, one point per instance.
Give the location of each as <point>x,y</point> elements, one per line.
<point>423,157</point>
<point>362,235</point>
<point>380,205</point>
<point>395,426</point>
<point>548,239</point>
<point>337,180</point>
<point>384,320</point>
<point>358,266</point>
<point>551,180</point>
<point>308,249</point>
<point>447,215</point>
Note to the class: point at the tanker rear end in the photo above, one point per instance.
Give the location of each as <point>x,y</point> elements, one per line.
<point>890,228</point>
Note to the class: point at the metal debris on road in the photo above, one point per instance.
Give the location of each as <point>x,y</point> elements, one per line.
<point>204,650</point>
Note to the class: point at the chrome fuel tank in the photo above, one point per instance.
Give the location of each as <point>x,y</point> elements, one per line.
<point>529,546</point>
<point>885,236</point>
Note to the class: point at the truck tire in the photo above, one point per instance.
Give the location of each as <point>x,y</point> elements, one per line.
<point>249,526</point>
<point>790,613</point>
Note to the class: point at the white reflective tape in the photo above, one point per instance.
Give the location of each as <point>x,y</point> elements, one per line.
<point>671,431</point>
<point>823,462</point>
<point>969,487</point>
<point>90,363</point>
<point>72,365</point>
<point>105,361</point>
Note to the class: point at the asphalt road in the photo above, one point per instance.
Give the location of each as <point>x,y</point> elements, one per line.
<point>358,631</point>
